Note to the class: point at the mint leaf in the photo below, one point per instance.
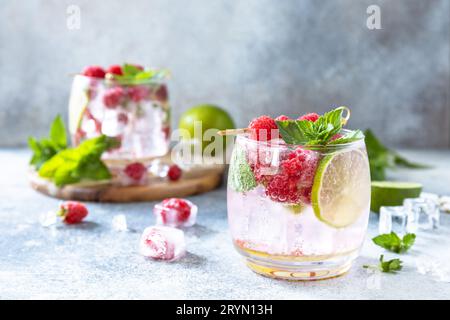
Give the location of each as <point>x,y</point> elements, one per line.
<point>81,163</point>
<point>240,177</point>
<point>382,158</point>
<point>390,266</point>
<point>408,241</point>
<point>320,132</point>
<point>291,132</point>
<point>392,242</point>
<point>58,134</point>
<point>132,75</point>
<point>46,148</point>
<point>130,70</point>
<point>349,137</point>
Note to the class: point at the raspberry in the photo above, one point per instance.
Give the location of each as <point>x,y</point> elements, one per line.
<point>166,131</point>
<point>294,182</point>
<point>263,128</point>
<point>283,188</point>
<point>310,117</point>
<point>94,71</point>
<point>161,94</point>
<point>113,97</point>
<point>282,118</point>
<point>122,118</point>
<point>72,212</point>
<point>135,170</point>
<point>181,209</point>
<point>174,172</point>
<point>155,244</point>
<point>115,69</point>
<point>138,93</point>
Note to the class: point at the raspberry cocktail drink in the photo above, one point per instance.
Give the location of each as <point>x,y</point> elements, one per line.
<point>126,102</point>
<point>299,196</point>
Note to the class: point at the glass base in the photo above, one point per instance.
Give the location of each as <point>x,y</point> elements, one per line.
<point>298,268</point>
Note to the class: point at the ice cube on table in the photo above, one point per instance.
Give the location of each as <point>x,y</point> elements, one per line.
<point>48,219</point>
<point>176,216</point>
<point>162,243</point>
<point>119,223</point>
<point>423,213</point>
<point>393,219</point>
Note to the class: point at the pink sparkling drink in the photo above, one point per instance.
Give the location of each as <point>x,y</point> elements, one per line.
<point>295,212</point>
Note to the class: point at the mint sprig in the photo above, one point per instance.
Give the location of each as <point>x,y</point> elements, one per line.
<point>320,132</point>
<point>392,242</point>
<point>382,158</point>
<point>44,149</point>
<point>389,266</point>
<point>81,163</point>
<point>240,175</point>
<point>133,75</point>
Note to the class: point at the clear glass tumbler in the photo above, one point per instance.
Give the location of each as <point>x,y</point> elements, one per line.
<point>137,114</point>
<point>297,212</point>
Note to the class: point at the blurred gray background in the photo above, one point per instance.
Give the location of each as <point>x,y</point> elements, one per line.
<point>252,57</point>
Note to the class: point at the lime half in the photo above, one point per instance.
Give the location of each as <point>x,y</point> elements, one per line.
<point>341,190</point>
<point>392,193</point>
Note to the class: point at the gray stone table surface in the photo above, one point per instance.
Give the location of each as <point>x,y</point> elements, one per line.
<point>92,261</point>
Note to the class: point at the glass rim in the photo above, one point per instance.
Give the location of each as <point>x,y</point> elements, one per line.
<point>270,145</point>
<point>122,82</point>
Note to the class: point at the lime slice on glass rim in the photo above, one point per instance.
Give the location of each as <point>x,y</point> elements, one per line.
<point>341,189</point>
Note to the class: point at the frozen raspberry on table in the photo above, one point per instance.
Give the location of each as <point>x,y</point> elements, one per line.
<point>94,71</point>
<point>138,93</point>
<point>310,117</point>
<point>263,128</point>
<point>175,212</point>
<point>162,243</point>
<point>122,118</point>
<point>135,171</point>
<point>115,69</point>
<point>282,118</point>
<point>72,212</point>
<point>113,97</point>
<point>174,172</point>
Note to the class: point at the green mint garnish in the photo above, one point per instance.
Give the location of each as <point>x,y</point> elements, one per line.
<point>392,242</point>
<point>381,158</point>
<point>81,163</point>
<point>320,132</point>
<point>390,266</point>
<point>240,177</point>
<point>133,75</point>
<point>46,148</point>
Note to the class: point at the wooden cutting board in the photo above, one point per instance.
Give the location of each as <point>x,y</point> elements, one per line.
<point>194,181</point>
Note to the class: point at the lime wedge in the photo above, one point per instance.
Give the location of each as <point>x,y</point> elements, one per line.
<point>390,193</point>
<point>341,189</point>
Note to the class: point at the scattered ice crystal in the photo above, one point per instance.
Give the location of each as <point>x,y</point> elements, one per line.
<point>119,223</point>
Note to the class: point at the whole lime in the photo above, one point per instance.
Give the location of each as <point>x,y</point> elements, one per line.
<point>197,120</point>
